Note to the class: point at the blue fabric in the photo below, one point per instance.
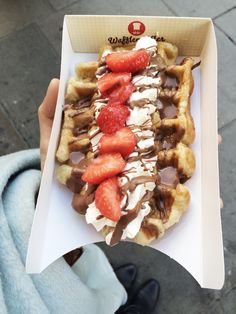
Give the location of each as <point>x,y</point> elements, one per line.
<point>89,287</point>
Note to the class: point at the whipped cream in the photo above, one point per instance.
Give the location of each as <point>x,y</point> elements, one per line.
<point>150,93</point>
<point>99,104</point>
<point>134,226</point>
<point>142,80</point>
<point>139,116</point>
<point>92,215</point>
<point>146,42</point>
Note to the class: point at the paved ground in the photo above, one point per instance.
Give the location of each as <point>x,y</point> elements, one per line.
<point>30,38</point>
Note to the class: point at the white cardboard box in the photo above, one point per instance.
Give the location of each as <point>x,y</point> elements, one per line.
<point>196,241</point>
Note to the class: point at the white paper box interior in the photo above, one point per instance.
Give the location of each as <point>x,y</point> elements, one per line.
<point>196,241</point>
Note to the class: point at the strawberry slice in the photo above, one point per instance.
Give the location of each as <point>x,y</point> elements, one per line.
<point>108,199</point>
<point>121,94</point>
<point>103,167</point>
<point>123,141</point>
<point>128,61</point>
<point>111,80</point>
<point>112,118</point>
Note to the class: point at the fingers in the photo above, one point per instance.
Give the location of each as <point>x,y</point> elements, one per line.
<point>45,114</point>
<point>221,203</point>
<point>219,142</point>
<point>47,108</point>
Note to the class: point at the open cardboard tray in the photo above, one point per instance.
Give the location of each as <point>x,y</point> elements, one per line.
<point>196,241</point>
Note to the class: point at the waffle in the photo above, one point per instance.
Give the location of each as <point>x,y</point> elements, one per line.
<point>170,159</point>
<point>83,83</point>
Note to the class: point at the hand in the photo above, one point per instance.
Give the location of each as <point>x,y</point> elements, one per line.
<point>46,114</point>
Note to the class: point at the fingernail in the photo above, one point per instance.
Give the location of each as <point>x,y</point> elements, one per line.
<point>219,139</point>
<point>221,204</point>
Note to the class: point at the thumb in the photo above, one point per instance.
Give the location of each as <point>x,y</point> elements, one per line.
<point>45,114</point>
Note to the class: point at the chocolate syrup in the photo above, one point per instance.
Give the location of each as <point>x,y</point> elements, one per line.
<point>126,219</point>
<point>83,103</point>
<point>102,70</point>
<point>132,183</point>
<point>167,137</point>
<point>168,110</point>
<point>81,201</point>
<point>78,131</point>
<point>163,201</point>
<point>74,182</point>
<point>77,112</point>
<point>169,177</point>
<point>139,103</point>
<point>171,81</point>
<point>196,65</point>
<point>150,231</point>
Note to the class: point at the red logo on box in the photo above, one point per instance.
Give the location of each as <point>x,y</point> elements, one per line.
<point>136,28</point>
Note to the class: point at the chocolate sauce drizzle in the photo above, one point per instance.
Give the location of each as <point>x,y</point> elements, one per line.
<point>126,219</point>
<point>82,200</point>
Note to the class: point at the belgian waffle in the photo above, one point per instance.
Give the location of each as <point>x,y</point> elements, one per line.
<point>162,95</point>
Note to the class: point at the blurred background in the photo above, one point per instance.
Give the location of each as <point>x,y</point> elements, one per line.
<point>30,44</point>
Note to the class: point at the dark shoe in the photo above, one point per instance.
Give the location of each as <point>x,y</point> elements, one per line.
<point>126,275</point>
<point>144,301</point>
<point>72,256</point>
<point>131,309</point>
<point>147,296</point>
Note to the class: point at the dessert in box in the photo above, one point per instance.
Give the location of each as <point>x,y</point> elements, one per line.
<point>196,240</point>
<point>133,134</point>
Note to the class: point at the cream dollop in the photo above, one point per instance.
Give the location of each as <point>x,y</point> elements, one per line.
<point>91,216</point>
<point>150,93</point>
<point>142,80</point>
<point>146,42</point>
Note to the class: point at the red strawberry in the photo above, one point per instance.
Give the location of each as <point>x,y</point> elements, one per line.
<point>103,167</point>
<point>123,141</point>
<point>108,199</point>
<point>111,80</point>
<point>121,94</point>
<point>128,61</point>
<point>112,118</point>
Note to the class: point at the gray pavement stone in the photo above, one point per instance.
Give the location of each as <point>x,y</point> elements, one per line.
<point>227,22</point>
<point>52,25</point>
<point>29,64</point>
<point>16,14</point>
<point>226,79</point>
<point>209,8</point>
<point>228,188</point>
<point>10,140</point>
<point>228,181</point>
<point>59,4</point>
<point>147,7</point>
